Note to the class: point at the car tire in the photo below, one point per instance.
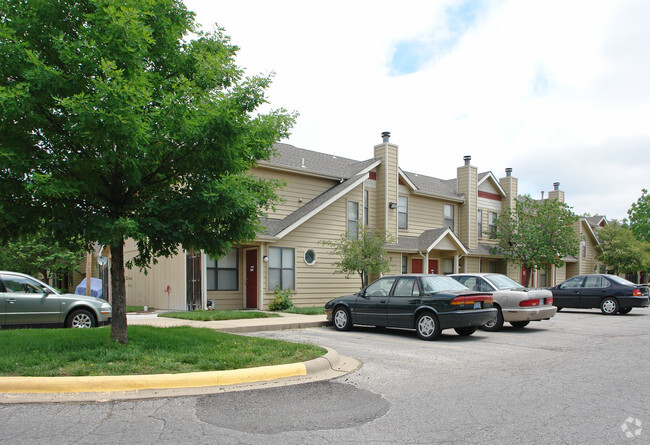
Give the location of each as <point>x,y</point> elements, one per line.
<point>427,326</point>
<point>81,318</point>
<point>559,308</point>
<point>609,306</point>
<point>519,324</point>
<point>497,325</point>
<point>466,332</point>
<point>341,319</point>
<point>625,310</point>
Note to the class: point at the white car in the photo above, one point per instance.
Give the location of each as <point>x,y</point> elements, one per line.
<point>516,304</point>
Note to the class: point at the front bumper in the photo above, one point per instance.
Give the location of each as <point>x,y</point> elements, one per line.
<point>529,314</point>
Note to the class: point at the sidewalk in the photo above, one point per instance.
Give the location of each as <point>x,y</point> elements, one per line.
<point>104,388</point>
<point>286,321</point>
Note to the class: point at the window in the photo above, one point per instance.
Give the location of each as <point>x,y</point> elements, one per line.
<point>479,223</point>
<point>353,220</point>
<point>223,274</point>
<point>584,248</point>
<point>542,278</point>
<point>596,282</point>
<point>407,287</point>
<point>365,207</point>
<point>449,217</point>
<point>281,268</point>
<point>447,265</point>
<point>405,264</point>
<point>572,283</point>
<point>493,225</point>
<point>380,288</point>
<point>402,212</point>
<point>310,256</point>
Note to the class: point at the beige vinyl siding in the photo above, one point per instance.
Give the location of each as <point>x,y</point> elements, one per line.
<point>149,289</point>
<point>371,187</point>
<point>299,190</point>
<point>424,214</point>
<point>467,185</point>
<point>229,300</point>
<point>316,284</point>
<point>471,265</point>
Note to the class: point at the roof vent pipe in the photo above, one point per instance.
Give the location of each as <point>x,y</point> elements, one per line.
<point>542,194</point>
<point>385,136</point>
<point>508,172</point>
<point>556,186</point>
<point>303,163</point>
<point>467,158</point>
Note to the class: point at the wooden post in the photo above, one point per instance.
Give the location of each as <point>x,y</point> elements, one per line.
<point>89,266</point>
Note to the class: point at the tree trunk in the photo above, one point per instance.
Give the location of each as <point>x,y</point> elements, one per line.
<point>528,270</point>
<point>118,294</point>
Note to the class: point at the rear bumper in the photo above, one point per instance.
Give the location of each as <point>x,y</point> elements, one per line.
<point>528,314</point>
<point>633,301</point>
<point>461,319</point>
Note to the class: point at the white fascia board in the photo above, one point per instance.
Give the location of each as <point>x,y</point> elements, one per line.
<point>362,177</point>
<point>591,231</point>
<point>299,170</point>
<point>443,197</point>
<point>401,174</point>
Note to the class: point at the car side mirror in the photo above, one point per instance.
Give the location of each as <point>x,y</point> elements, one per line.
<point>47,291</point>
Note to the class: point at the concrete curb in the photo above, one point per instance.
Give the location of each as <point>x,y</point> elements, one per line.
<point>48,385</point>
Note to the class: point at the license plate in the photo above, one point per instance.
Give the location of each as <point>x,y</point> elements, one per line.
<point>477,305</point>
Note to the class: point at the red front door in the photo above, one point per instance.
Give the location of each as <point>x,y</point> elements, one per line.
<point>251,279</point>
<point>433,266</point>
<point>416,265</point>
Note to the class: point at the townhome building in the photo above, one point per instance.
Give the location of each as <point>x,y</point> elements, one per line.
<point>437,225</point>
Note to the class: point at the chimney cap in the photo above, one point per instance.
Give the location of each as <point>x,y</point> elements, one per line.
<point>385,136</point>
<point>509,171</point>
<point>467,158</point>
<point>556,186</point>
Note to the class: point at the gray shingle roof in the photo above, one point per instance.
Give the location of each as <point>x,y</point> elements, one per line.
<point>435,186</point>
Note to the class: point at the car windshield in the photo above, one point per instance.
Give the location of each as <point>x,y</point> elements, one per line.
<point>503,282</point>
<point>437,283</point>
<point>619,280</point>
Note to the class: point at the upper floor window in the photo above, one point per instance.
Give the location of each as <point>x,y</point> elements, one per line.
<point>449,217</point>
<point>479,223</point>
<point>353,220</point>
<point>493,224</point>
<point>223,274</point>
<point>282,269</point>
<point>402,212</point>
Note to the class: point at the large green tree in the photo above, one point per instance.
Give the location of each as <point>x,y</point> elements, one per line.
<point>363,256</point>
<point>639,214</point>
<point>621,251</point>
<point>536,234</point>
<point>121,120</point>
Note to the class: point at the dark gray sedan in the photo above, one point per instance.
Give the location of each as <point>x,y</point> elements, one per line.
<point>26,301</point>
<point>611,293</point>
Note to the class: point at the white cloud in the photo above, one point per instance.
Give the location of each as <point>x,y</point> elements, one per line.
<point>556,90</point>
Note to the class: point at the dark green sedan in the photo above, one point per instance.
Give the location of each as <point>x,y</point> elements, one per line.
<point>426,303</point>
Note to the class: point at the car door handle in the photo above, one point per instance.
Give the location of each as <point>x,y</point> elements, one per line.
<point>11,300</point>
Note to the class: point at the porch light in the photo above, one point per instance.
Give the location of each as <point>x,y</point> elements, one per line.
<point>392,205</point>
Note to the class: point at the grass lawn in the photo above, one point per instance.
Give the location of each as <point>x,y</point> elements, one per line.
<point>217,315</point>
<point>317,310</point>
<point>150,350</point>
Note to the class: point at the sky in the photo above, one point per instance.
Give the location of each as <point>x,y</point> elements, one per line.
<point>557,90</point>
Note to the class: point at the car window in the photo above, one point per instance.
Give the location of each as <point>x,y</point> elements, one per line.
<point>406,287</point>
<point>380,287</point>
<point>572,283</point>
<point>470,282</point>
<point>619,280</point>
<point>484,286</point>
<point>436,283</point>
<point>22,284</point>
<point>596,282</point>
<point>503,282</point>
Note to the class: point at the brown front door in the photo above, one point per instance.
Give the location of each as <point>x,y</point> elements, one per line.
<point>193,288</point>
<point>251,279</point>
<point>416,265</point>
<point>433,266</point>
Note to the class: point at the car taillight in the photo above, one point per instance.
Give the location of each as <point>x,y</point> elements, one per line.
<point>471,299</point>
<point>549,300</point>
<point>534,302</point>
<point>637,293</point>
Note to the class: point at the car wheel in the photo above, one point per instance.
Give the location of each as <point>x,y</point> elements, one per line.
<point>341,318</point>
<point>609,306</point>
<point>519,324</point>
<point>81,319</point>
<point>465,332</point>
<point>494,325</point>
<point>625,310</point>
<point>427,326</point>
<point>559,308</point>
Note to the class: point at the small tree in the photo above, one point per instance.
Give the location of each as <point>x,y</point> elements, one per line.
<point>363,256</point>
<point>621,251</point>
<point>639,214</point>
<point>536,234</point>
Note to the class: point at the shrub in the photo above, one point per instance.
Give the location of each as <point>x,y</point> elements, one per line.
<point>281,300</point>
